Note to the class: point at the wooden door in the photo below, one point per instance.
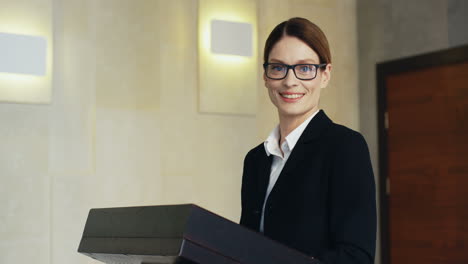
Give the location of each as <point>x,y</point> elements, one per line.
<point>426,171</point>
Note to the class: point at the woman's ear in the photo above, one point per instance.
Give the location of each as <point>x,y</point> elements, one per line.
<point>326,75</point>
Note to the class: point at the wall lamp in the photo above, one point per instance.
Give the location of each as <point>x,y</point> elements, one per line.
<point>232,38</point>
<point>227,57</point>
<point>23,54</point>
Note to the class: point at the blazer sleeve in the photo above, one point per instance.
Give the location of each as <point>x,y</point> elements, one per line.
<point>244,220</point>
<point>352,204</point>
<point>250,216</point>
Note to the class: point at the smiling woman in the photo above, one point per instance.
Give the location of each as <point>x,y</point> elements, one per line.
<point>310,184</point>
<point>296,98</point>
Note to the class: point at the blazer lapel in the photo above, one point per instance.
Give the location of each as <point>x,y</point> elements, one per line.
<point>263,176</point>
<point>314,129</point>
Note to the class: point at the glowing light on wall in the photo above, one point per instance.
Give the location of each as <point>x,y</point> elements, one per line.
<point>228,65</point>
<point>29,20</point>
<point>23,54</point>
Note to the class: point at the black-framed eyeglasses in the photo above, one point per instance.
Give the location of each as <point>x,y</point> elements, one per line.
<point>278,71</point>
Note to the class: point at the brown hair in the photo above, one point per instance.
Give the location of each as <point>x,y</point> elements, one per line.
<point>304,30</point>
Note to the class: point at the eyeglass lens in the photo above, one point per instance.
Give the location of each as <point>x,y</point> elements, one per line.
<point>302,71</point>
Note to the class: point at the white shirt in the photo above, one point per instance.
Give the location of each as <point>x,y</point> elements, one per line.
<point>272,147</point>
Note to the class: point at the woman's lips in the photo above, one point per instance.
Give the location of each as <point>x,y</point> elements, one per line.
<point>291,97</point>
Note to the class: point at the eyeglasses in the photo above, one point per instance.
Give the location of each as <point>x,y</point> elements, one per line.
<point>278,71</point>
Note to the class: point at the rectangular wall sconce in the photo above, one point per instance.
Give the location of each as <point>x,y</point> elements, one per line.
<point>232,38</point>
<point>23,54</point>
<point>228,57</point>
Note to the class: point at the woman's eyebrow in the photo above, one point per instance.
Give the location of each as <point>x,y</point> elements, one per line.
<point>276,61</point>
<point>306,61</point>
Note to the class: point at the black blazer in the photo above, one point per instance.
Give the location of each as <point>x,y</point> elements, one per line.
<point>323,202</point>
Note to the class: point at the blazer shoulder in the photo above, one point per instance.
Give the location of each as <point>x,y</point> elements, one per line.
<point>343,137</point>
<point>258,150</point>
<point>345,133</point>
<point>329,132</point>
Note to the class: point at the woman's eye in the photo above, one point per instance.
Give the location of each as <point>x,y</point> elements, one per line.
<point>305,68</point>
<point>277,68</point>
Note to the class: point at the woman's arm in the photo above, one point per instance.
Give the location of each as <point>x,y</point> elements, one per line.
<point>352,213</point>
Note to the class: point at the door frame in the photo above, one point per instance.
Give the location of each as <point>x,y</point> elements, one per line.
<point>384,69</point>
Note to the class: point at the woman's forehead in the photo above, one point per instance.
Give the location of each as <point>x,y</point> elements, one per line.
<point>289,49</point>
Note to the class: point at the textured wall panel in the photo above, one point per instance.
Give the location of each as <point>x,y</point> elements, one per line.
<point>127,62</point>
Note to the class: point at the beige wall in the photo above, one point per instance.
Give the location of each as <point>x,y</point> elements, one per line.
<point>123,127</point>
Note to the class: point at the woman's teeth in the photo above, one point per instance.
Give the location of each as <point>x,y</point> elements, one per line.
<point>292,96</point>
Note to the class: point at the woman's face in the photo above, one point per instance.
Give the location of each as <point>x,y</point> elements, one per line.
<point>295,99</point>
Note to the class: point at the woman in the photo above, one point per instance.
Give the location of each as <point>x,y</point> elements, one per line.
<point>310,185</point>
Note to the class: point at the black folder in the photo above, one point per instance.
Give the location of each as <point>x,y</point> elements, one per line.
<point>177,234</point>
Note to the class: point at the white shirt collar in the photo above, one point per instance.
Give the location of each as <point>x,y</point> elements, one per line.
<point>271,144</point>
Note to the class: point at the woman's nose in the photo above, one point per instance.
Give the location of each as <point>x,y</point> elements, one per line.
<point>291,79</point>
